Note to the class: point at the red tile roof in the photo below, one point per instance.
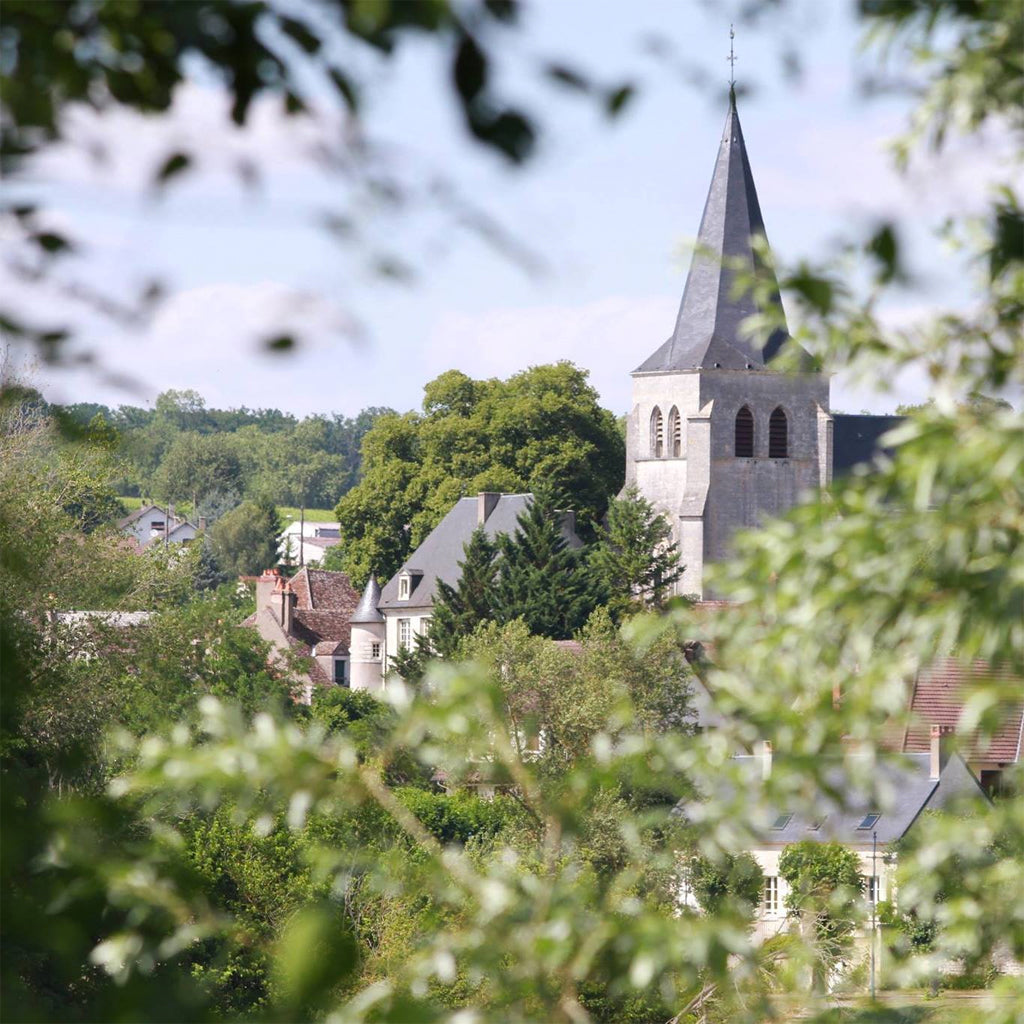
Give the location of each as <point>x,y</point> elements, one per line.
<point>938,698</point>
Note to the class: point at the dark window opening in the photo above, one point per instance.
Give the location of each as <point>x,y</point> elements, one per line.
<point>778,435</point>
<point>657,434</point>
<point>340,671</point>
<point>675,429</point>
<point>781,822</point>
<point>744,434</point>
<point>868,821</point>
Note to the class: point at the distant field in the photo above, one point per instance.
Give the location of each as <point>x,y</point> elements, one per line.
<point>322,515</point>
<point>286,512</point>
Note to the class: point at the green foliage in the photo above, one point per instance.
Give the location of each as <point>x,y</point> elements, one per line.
<point>244,542</point>
<point>540,578</point>
<point>825,886</point>
<point>459,610</point>
<point>227,866</point>
<point>634,559</point>
<point>736,877</point>
<point>540,428</point>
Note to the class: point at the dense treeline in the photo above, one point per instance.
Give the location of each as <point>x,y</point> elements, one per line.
<point>82,693</point>
<point>185,453</point>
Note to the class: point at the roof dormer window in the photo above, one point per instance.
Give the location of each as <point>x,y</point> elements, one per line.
<point>403,588</point>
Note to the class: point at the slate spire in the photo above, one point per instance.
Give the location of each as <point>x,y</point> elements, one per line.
<point>707,334</point>
<point>367,610</point>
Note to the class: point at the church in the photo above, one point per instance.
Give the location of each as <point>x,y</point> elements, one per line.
<point>721,435</point>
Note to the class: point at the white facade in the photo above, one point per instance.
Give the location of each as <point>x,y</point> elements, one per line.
<point>317,530</point>
<point>152,524</point>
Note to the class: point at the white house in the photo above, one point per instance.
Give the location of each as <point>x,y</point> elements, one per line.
<point>152,524</point>
<point>305,543</point>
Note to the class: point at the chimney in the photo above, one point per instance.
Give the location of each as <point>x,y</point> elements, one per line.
<point>288,600</point>
<point>485,502</point>
<point>566,521</point>
<point>202,523</point>
<point>265,588</point>
<point>766,759</point>
<point>939,750</point>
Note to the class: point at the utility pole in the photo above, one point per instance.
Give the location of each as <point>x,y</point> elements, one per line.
<point>874,904</point>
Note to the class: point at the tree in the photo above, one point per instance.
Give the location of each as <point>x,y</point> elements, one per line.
<point>540,579</point>
<point>634,558</point>
<point>244,541</point>
<point>195,466</point>
<point>825,889</point>
<point>460,609</point>
<point>540,428</point>
<point>881,574</point>
<point>736,877</point>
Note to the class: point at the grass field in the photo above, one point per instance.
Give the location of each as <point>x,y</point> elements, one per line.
<point>321,515</point>
<point>287,513</point>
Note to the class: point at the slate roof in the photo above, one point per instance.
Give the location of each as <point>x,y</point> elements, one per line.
<point>707,332</point>
<point>856,440</point>
<point>440,554</point>
<point>938,698</point>
<point>367,610</point>
<point>905,784</point>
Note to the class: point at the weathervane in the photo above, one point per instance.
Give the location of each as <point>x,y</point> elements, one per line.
<point>732,59</point>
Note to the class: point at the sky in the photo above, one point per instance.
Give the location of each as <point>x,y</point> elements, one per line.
<point>595,228</point>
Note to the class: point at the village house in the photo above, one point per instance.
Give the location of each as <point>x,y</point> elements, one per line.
<point>152,524</point>
<point>308,615</point>
<point>305,542</point>
<point>868,824</point>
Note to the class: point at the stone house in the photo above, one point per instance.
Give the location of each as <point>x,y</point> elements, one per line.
<point>308,615</point>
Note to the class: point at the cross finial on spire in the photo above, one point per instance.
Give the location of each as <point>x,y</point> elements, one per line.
<point>732,60</point>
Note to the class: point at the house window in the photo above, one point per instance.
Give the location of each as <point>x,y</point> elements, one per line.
<point>375,651</point>
<point>327,531</point>
<point>778,435</point>
<point>874,890</point>
<point>781,822</point>
<point>657,434</point>
<point>403,588</point>
<point>404,633</point>
<point>868,821</point>
<point>156,525</point>
<point>744,434</point>
<point>675,432</point>
<point>770,896</point>
<point>341,671</point>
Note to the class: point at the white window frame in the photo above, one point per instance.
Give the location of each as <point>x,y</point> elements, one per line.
<point>375,650</point>
<point>346,678</point>
<point>403,588</point>
<point>770,896</point>
<point>874,889</point>
<point>404,634</point>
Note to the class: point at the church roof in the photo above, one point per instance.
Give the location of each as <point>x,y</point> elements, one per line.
<point>707,334</point>
<point>856,440</point>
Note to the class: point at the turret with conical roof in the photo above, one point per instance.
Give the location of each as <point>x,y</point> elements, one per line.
<point>366,646</point>
<point>718,437</point>
<point>367,610</point>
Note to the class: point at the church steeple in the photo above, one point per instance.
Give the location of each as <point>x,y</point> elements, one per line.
<point>708,334</point>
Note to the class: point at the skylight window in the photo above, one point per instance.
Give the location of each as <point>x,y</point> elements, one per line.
<point>781,822</point>
<point>816,824</point>
<point>868,821</point>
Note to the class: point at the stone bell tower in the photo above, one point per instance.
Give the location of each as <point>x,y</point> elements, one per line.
<point>718,438</point>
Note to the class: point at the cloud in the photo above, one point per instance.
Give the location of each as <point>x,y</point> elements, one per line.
<point>610,338</point>
<point>212,339</point>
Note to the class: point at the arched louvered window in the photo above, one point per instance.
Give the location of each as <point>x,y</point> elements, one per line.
<point>657,434</point>
<point>675,432</point>
<point>778,435</point>
<point>744,434</point>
